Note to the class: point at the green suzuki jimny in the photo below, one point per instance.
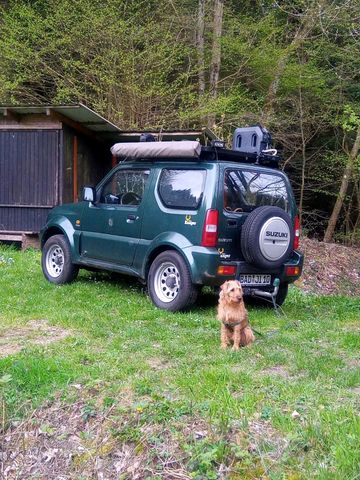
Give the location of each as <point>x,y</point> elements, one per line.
<point>178,216</point>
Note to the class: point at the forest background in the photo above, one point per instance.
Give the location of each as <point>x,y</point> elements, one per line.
<point>293,66</point>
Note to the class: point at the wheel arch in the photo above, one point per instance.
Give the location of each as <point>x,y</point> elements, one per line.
<point>155,252</point>
<point>62,226</point>
<point>50,232</point>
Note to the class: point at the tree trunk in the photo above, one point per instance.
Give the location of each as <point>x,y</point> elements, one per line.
<point>329,234</point>
<point>216,54</point>
<point>300,35</point>
<point>200,46</point>
<point>303,153</point>
<point>355,237</point>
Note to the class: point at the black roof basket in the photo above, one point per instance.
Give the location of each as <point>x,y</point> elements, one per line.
<point>250,145</point>
<point>255,142</point>
<point>264,159</point>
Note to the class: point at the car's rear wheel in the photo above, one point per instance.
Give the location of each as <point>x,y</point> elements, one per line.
<point>169,282</point>
<point>282,294</point>
<point>56,261</point>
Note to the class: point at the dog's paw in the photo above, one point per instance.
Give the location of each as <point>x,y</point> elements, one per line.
<point>235,347</point>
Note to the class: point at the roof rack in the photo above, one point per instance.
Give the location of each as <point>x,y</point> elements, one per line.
<point>266,158</point>
<point>192,150</point>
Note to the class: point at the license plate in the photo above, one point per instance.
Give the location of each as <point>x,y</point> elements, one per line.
<point>255,279</point>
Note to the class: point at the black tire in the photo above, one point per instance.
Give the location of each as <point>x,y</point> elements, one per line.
<point>282,294</point>
<point>251,233</point>
<point>56,261</point>
<point>169,282</point>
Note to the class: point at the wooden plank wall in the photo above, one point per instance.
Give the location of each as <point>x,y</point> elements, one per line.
<point>29,177</point>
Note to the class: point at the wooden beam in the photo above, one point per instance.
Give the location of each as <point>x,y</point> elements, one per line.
<point>75,125</point>
<point>75,170</point>
<point>11,237</point>
<point>30,241</point>
<point>8,113</point>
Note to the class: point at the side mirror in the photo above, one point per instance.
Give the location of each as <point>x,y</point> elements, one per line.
<point>89,194</point>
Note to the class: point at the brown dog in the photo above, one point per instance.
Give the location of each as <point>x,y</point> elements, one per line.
<point>233,316</point>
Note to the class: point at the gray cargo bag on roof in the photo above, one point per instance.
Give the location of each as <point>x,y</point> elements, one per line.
<point>179,149</point>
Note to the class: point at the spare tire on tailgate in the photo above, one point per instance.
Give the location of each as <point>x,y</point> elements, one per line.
<point>267,237</point>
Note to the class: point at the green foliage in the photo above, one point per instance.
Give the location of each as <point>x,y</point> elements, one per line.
<point>294,65</point>
<point>350,119</point>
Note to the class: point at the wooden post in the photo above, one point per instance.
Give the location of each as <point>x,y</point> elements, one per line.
<point>75,169</point>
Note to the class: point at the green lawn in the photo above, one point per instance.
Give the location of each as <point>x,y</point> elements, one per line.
<point>157,385</point>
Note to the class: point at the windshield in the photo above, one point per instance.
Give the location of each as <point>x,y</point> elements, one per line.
<point>245,190</point>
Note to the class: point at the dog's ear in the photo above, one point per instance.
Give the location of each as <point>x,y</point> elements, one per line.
<point>223,286</point>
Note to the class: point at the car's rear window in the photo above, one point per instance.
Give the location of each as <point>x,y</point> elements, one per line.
<point>245,190</point>
<point>181,188</point>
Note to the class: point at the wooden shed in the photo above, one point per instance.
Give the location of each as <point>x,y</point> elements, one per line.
<point>48,153</point>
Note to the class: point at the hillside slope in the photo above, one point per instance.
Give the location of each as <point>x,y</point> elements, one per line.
<point>330,268</point>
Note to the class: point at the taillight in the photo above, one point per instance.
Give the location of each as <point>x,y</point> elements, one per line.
<point>296,233</point>
<point>292,271</point>
<point>227,270</point>
<point>210,231</point>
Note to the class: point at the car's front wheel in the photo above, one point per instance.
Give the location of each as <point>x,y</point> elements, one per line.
<point>169,282</point>
<point>56,261</point>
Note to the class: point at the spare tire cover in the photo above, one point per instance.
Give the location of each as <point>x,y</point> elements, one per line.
<point>267,237</point>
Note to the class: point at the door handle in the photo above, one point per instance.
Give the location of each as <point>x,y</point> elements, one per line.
<point>131,218</point>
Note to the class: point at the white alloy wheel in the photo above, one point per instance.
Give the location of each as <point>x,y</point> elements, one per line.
<point>55,261</point>
<point>167,282</point>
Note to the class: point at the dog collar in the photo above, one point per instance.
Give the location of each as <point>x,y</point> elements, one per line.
<point>232,324</point>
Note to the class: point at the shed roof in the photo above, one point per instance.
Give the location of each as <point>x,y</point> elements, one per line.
<point>98,126</point>
<point>78,113</point>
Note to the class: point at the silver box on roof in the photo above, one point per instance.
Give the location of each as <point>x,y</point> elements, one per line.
<point>182,149</point>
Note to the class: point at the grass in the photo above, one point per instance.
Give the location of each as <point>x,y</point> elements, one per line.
<point>286,408</point>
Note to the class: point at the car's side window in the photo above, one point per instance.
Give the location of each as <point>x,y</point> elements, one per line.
<point>181,188</point>
<point>125,187</point>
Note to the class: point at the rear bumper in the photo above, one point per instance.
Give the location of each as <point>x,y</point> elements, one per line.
<point>204,264</point>
<point>296,260</point>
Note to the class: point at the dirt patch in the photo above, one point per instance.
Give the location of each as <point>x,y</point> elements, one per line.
<point>277,370</point>
<point>352,363</point>
<point>330,268</point>
<point>157,363</point>
<point>105,438</point>
<point>355,390</point>
<point>82,440</point>
<point>36,332</point>
<point>263,437</point>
